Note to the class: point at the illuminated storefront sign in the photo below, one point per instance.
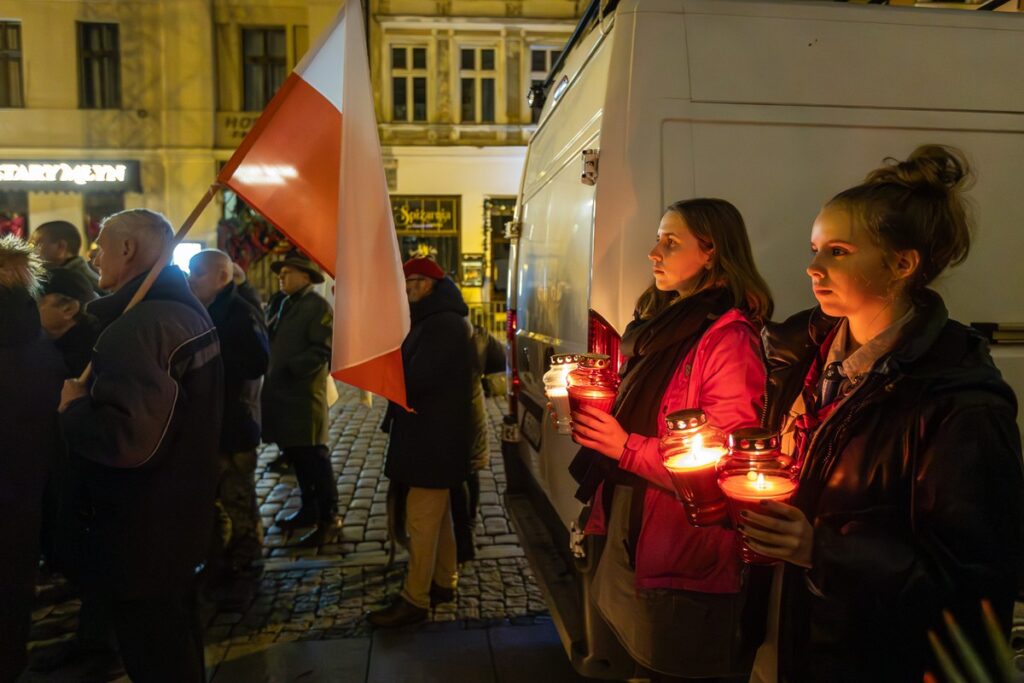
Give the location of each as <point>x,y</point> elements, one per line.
<point>426,214</point>
<point>69,176</point>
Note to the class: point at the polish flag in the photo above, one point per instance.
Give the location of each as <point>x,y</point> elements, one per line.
<point>312,165</point>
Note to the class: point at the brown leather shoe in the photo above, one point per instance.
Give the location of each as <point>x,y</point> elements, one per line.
<point>401,612</point>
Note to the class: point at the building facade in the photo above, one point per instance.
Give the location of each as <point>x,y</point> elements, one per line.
<point>451,79</point>
<point>106,105</point>
<point>103,106</point>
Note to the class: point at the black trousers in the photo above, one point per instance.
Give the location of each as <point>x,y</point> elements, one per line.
<point>160,637</point>
<point>316,479</point>
<point>465,501</point>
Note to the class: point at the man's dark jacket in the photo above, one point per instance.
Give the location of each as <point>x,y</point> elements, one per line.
<point>76,344</point>
<point>31,375</point>
<point>914,488</point>
<point>295,390</point>
<point>245,352</point>
<point>433,446</point>
<point>148,434</point>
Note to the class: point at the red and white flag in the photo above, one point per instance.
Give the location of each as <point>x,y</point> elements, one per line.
<point>312,165</point>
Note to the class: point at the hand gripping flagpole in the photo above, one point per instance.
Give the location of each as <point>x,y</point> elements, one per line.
<point>164,259</point>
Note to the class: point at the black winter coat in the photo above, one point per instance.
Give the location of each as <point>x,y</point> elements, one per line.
<point>433,446</point>
<point>295,390</point>
<point>245,352</point>
<point>914,488</point>
<point>31,375</point>
<point>147,435</point>
<point>76,344</point>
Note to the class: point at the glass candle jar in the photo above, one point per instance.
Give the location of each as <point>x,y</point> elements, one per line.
<point>754,470</point>
<point>690,450</point>
<point>556,388</point>
<point>593,383</point>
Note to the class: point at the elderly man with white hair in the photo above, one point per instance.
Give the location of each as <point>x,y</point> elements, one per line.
<point>236,561</point>
<point>146,430</point>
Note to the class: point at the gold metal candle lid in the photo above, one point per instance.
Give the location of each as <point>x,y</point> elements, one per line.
<point>754,440</point>
<point>565,358</point>
<point>691,418</point>
<point>595,360</point>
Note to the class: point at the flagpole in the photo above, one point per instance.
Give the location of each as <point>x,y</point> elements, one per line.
<point>164,259</point>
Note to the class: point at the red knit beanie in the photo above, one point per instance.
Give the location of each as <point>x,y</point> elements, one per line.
<point>423,266</point>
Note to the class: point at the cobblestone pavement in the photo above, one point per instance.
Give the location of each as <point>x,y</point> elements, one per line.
<point>315,594</point>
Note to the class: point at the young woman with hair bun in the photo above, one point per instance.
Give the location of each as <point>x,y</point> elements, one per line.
<point>910,496</point>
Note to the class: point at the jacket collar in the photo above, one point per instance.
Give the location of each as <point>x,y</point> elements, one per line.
<point>445,297</point>
<point>218,308</point>
<point>800,336</point>
<point>170,285</point>
<point>920,334</point>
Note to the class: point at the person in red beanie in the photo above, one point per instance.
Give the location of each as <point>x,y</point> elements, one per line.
<point>430,448</point>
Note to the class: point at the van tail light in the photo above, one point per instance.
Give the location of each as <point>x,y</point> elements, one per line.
<point>602,338</point>
<point>511,365</point>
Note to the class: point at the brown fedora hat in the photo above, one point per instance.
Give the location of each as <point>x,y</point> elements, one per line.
<point>299,262</point>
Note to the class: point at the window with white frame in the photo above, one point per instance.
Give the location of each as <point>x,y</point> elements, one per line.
<point>408,83</point>
<point>541,61</point>
<point>478,83</point>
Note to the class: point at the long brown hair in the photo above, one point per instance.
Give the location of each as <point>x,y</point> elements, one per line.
<point>719,228</point>
<point>916,204</point>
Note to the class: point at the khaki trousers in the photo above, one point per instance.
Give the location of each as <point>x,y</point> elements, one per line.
<point>428,521</point>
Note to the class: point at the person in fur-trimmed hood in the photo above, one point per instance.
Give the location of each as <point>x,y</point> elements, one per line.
<point>31,373</point>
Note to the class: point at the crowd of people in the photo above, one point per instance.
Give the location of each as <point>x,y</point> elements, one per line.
<point>136,480</point>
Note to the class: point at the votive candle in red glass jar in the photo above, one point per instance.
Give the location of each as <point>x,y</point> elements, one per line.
<point>593,383</point>
<point>755,470</point>
<point>690,450</point>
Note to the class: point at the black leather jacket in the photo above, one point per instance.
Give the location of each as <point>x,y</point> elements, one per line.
<point>914,488</point>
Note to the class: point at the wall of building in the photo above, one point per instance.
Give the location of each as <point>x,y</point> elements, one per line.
<point>164,118</point>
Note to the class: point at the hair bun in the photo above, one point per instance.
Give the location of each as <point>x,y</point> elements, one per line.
<point>934,167</point>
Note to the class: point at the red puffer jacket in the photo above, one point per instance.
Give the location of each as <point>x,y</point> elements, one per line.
<point>723,375</point>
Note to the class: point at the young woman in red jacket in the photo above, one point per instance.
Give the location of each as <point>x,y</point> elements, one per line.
<point>671,592</point>
<point>910,496</point>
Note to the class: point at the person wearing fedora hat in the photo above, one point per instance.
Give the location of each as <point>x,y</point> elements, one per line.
<point>294,401</point>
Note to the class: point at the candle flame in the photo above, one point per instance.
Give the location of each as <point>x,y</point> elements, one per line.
<point>761,484</point>
<point>697,443</point>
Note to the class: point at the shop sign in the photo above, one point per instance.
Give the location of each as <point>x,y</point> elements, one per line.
<point>426,214</point>
<point>38,175</point>
<point>233,126</point>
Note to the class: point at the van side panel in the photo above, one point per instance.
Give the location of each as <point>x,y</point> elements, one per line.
<point>854,61</point>
<point>781,207</point>
<point>554,264</point>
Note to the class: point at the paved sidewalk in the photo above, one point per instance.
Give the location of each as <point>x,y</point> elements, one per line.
<point>441,653</point>
<point>307,620</point>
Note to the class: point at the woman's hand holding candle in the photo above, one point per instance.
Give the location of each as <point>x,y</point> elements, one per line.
<point>599,431</point>
<point>782,532</point>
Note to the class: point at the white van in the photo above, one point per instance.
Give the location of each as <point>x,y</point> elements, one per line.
<point>774,106</point>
